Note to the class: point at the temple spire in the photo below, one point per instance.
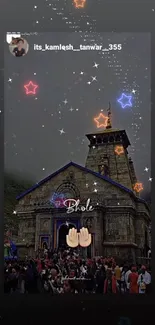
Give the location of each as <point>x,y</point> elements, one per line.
<point>109,125</point>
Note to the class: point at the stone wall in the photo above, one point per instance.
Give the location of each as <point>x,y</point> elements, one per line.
<point>43,227</point>
<point>120,253</point>
<point>82,181</point>
<point>118,164</point>
<point>26,250</point>
<point>123,172</point>
<point>119,226</point>
<point>143,209</point>
<point>140,227</point>
<point>26,231</point>
<point>121,222</point>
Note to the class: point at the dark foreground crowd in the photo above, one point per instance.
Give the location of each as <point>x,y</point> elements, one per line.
<point>66,272</point>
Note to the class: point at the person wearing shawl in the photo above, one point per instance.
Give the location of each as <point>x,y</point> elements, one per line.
<point>132,279</point>
<point>110,283</point>
<point>144,280</point>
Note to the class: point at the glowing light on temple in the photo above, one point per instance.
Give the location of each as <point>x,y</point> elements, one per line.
<point>57,200</point>
<point>101,121</point>
<point>138,187</point>
<point>125,100</point>
<point>30,88</point>
<point>119,150</point>
<point>79,3</point>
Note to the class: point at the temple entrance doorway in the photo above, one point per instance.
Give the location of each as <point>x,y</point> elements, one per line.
<point>63,232</point>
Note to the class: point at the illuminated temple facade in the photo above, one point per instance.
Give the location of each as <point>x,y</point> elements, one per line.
<point>119,221</point>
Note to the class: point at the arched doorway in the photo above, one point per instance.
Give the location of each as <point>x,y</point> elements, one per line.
<point>63,232</point>
<point>44,245</point>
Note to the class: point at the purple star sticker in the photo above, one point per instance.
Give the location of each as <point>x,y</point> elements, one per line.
<point>125,100</point>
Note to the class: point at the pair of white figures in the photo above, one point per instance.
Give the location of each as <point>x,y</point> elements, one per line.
<point>74,239</point>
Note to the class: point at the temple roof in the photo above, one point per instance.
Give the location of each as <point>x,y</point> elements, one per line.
<point>104,131</point>
<point>114,132</point>
<point>84,169</point>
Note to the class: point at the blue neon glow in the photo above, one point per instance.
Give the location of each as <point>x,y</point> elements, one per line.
<point>125,100</point>
<point>57,200</point>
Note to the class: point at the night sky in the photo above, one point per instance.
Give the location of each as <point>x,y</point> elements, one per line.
<point>46,130</point>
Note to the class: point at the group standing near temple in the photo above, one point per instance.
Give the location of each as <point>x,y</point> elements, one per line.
<point>65,271</point>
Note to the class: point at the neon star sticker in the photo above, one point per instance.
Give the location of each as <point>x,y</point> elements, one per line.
<point>79,3</point>
<point>138,187</point>
<point>30,88</point>
<point>125,100</point>
<point>101,121</point>
<point>119,150</point>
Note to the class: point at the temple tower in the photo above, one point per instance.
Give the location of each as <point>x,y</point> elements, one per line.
<point>108,154</point>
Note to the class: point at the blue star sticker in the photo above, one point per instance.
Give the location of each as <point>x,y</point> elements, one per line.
<point>125,100</point>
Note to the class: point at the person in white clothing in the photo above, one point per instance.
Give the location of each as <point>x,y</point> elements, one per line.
<point>149,253</point>
<point>144,280</point>
<point>126,279</point>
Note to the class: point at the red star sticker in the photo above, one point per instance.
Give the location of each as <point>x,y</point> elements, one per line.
<point>101,121</point>
<point>79,3</point>
<point>119,150</point>
<point>138,187</point>
<point>30,88</point>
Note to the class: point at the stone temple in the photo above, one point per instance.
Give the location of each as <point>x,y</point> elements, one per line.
<point>119,221</point>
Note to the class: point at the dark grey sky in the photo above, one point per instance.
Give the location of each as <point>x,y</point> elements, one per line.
<point>33,143</point>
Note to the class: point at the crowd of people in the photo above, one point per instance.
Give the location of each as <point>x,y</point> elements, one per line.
<point>65,271</point>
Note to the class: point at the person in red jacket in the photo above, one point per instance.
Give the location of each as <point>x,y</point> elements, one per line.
<point>132,279</point>
<point>110,283</point>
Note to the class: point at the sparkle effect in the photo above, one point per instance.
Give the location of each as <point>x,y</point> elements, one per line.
<point>62,131</point>
<point>125,100</point>
<point>101,121</point>
<point>66,101</point>
<point>30,88</point>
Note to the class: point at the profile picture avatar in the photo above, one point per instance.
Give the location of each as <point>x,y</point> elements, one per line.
<point>18,46</point>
